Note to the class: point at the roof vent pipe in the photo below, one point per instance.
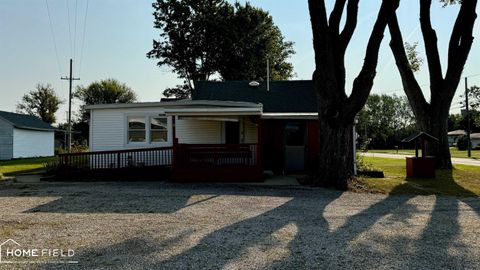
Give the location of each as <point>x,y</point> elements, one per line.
<point>268,75</point>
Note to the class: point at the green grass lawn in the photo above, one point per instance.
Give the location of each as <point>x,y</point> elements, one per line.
<point>453,151</point>
<point>16,166</point>
<point>463,180</point>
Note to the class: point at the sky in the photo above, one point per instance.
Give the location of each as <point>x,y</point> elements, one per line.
<point>110,38</point>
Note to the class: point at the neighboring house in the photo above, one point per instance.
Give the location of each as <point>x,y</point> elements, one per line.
<point>23,136</point>
<point>225,124</point>
<point>475,139</point>
<point>454,135</point>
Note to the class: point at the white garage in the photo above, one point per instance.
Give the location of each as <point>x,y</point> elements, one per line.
<point>25,136</point>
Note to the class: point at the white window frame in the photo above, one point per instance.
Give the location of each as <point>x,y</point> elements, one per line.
<point>148,142</point>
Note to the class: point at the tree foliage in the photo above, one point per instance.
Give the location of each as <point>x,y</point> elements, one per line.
<point>413,56</point>
<point>201,40</point>
<point>42,102</point>
<point>104,92</point>
<point>474,103</point>
<point>385,121</point>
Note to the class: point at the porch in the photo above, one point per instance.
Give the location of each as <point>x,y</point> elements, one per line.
<point>181,162</point>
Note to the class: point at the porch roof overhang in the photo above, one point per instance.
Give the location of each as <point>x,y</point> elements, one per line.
<point>213,111</point>
<point>199,108</point>
<point>180,104</point>
<point>293,115</point>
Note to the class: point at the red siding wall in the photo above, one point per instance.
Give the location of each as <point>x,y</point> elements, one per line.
<point>273,145</point>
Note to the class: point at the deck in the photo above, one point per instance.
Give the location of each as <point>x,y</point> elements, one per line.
<point>181,162</point>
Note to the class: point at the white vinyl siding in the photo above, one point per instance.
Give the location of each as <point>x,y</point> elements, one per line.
<point>194,131</point>
<point>109,129</point>
<point>32,143</point>
<point>6,140</point>
<point>250,132</point>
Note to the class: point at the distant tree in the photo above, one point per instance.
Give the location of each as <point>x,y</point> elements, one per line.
<point>180,91</point>
<point>455,122</point>
<point>252,39</point>
<point>474,97</point>
<point>42,102</point>
<point>200,40</point>
<point>386,120</point>
<point>432,116</point>
<point>106,91</point>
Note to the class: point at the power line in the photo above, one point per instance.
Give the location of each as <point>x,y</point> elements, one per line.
<point>53,36</point>
<point>75,31</point>
<point>69,27</point>
<point>83,39</point>
<point>474,75</point>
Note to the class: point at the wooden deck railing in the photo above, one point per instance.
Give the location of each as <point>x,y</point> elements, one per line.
<point>194,155</point>
<point>148,157</point>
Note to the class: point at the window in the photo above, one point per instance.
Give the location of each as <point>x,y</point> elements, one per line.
<point>147,129</point>
<point>295,134</point>
<point>136,129</point>
<point>158,129</point>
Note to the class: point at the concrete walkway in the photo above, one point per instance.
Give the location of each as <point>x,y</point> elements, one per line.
<point>463,161</point>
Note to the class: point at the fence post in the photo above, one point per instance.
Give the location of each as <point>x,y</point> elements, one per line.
<point>118,160</point>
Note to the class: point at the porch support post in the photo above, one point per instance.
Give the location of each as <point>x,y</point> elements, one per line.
<point>175,143</point>
<point>259,143</point>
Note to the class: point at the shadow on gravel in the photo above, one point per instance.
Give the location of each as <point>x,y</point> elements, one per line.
<point>297,234</point>
<point>144,197</point>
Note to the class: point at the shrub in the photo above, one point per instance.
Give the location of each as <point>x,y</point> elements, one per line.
<point>462,143</point>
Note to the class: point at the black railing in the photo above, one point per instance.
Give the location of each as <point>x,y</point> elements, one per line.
<point>194,155</point>
<point>148,157</point>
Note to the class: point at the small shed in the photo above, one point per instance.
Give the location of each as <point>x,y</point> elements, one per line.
<point>424,166</point>
<point>25,136</point>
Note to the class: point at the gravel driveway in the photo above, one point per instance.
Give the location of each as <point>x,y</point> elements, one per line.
<point>167,226</point>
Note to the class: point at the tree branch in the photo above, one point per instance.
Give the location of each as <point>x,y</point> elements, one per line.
<point>431,49</point>
<point>318,18</point>
<point>350,24</point>
<point>460,43</point>
<point>410,84</point>
<point>363,84</point>
<point>336,16</point>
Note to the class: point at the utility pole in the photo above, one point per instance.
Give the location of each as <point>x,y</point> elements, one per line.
<point>469,146</point>
<point>70,79</point>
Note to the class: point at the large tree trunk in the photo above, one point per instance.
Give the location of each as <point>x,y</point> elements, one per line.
<point>435,123</point>
<point>336,110</point>
<point>336,153</point>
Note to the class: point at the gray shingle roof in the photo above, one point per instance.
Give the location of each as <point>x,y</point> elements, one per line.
<point>284,96</point>
<point>25,121</point>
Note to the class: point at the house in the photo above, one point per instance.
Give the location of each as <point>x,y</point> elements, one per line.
<point>454,135</point>
<point>475,139</point>
<point>24,136</point>
<point>233,130</point>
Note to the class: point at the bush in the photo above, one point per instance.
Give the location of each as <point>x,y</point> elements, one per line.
<point>462,143</point>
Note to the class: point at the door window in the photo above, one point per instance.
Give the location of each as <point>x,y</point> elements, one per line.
<point>295,134</point>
